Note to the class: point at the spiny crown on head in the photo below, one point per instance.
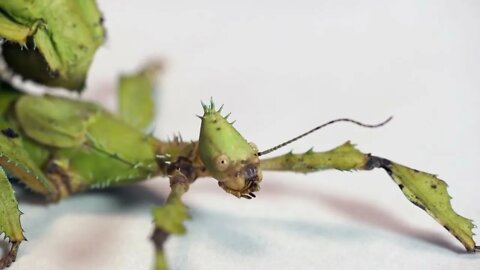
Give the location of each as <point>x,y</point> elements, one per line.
<point>226,154</point>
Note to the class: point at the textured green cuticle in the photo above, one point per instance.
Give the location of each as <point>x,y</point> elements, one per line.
<point>52,42</point>
<point>219,137</point>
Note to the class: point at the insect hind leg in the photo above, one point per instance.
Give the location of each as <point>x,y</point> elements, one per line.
<point>11,255</point>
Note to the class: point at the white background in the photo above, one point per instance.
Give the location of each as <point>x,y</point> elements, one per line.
<point>282,67</point>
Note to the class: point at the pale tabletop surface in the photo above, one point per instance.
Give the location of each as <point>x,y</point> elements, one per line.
<point>282,67</point>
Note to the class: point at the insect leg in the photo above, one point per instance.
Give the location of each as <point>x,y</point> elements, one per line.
<point>169,218</point>
<point>136,96</point>
<point>423,189</point>
<point>9,220</point>
<point>15,159</point>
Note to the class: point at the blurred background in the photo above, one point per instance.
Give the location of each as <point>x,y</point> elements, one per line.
<point>281,68</point>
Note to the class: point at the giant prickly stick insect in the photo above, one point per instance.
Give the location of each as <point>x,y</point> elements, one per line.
<point>58,146</point>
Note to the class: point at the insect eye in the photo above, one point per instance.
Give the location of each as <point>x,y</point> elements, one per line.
<point>222,162</point>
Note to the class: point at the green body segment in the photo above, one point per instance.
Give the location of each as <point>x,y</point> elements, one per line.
<point>114,153</point>
<point>51,41</point>
<point>15,158</point>
<point>66,146</point>
<point>59,146</point>
<point>55,121</point>
<point>22,156</point>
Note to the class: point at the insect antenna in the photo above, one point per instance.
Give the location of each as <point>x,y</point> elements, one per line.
<point>319,127</point>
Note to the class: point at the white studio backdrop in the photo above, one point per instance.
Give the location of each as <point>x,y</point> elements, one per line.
<point>281,68</point>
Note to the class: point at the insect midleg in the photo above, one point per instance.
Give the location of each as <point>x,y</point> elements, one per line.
<point>169,218</point>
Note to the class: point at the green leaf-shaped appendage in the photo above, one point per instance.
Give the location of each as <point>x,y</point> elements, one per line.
<point>55,121</point>
<point>16,160</point>
<point>9,213</point>
<point>171,216</point>
<point>136,96</point>
<point>168,220</point>
<point>422,189</point>
<point>113,153</point>
<point>10,226</point>
<point>430,194</point>
<point>52,42</point>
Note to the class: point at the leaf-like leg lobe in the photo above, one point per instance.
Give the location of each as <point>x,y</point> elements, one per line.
<point>423,189</point>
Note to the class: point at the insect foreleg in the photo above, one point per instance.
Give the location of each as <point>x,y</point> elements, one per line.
<point>422,189</point>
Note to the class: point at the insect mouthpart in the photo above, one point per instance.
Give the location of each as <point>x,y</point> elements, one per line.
<point>244,182</point>
<point>252,180</point>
